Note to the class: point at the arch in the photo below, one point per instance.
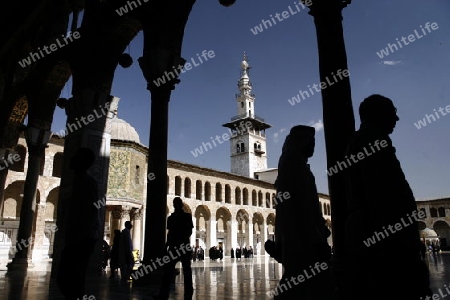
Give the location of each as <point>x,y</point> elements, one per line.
<point>421,225</point>
<point>51,205</point>
<point>177,185</point>
<point>187,187</point>
<point>218,192</point>
<point>433,212</point>
<point>329,209</point>
<point>227,194</point>
<point>267,200</point>
<point>245,196</point>
<point>237,195</point>
<point>207,191</point>
<point>58,164</point>
<point>442,228</point>
<point>13,196</point>
<point>260,199</point>
<point>19,166</point>
<point>273,200</point>
<point>441,212</point>
<point>198,190</point>
<point>223,216</point>
<point>202,214</point>
<point>258,221</point>
<point>270,221</point>
<point>254,199</point>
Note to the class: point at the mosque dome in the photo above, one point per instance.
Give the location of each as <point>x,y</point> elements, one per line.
<point>122,130</point>
<point>428,232</point>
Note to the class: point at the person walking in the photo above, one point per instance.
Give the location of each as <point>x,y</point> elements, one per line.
<point>179,226</point>
<point>301,232</point>
<point>114,261</point>
<point>379,197</point>
<point>126,258</point>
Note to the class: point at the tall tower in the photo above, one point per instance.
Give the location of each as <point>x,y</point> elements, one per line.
<point>248,139</point>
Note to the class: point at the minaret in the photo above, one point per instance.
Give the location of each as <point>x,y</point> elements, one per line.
<point>248,141</point>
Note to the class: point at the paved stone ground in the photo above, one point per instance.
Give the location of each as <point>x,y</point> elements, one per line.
<point>248,279</point>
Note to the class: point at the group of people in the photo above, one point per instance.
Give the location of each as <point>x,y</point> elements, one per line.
<point>198,253</point>
<point>215,253</point>
<point>378,195</point>
<point>238,253</point>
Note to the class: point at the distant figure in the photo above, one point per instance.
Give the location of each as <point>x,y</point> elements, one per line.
<point>201,253</point>
<point>379,198</point>
<point>114,261</point>
<point>232,253</point>
<point>220,252</point>
<point>82,234</point>
<point>245,252</point>
<point>301,232</point>
<point>126,258</point>
<point>250,252</point>
<point>238,253</point>
<point>106,253</point>
<point>179,226</point>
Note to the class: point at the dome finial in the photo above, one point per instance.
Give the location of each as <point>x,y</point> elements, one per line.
<point>244,63</point>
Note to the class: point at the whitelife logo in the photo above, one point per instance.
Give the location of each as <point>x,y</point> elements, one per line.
<point>40,53</point>
<point>411,38</point>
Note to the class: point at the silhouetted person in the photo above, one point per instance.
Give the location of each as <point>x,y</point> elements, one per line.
<point>179,226</point>
<point>379,197</point>
<point>126,258</point>
<point>238,253</point>
<point>82,227</point>
<point>114,261</point>
<point>300,232</point>
<point>232,253</point>
<point>106,253</point>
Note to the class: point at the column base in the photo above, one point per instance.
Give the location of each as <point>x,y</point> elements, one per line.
<point>20,264</point>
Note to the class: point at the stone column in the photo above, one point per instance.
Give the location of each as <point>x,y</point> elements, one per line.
<point>38,252</point>
<point>338,119</point>
<point>265,237</point>
<point>234,233</point>
<point>37,139</point>
<point>125,216</point>
<point>250,234</point>
<point>136,217</point>
<point>194,231</point>
<point>212,234</point>
<point>96,108</point>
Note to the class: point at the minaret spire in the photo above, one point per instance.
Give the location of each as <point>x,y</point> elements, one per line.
<point>248,141</point>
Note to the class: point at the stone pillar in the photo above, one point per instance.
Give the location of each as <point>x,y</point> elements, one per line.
<point>38,252</point>
<point>96,108</point>
<point>194,231</point>
<point>265,237</point>
<point>212,234</point>
<point>234,233</point>
<point>338,119</point>
<point>250,234</point>
<point>136,217</point>
<point>37,142</point>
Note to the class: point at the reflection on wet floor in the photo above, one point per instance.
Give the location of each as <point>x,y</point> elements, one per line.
<point>248,279</point>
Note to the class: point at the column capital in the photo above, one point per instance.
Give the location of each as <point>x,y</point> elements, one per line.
<point>136,214</point>
<point>118,212</point>
<point>326,8</point>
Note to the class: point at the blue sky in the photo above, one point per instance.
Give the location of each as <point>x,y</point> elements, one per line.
<point>284,60</point>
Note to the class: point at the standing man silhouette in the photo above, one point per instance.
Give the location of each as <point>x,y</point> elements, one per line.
<point>179,226</point>
<point>380,198</point>
<point>126,252</point>
<point>82,234</point>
